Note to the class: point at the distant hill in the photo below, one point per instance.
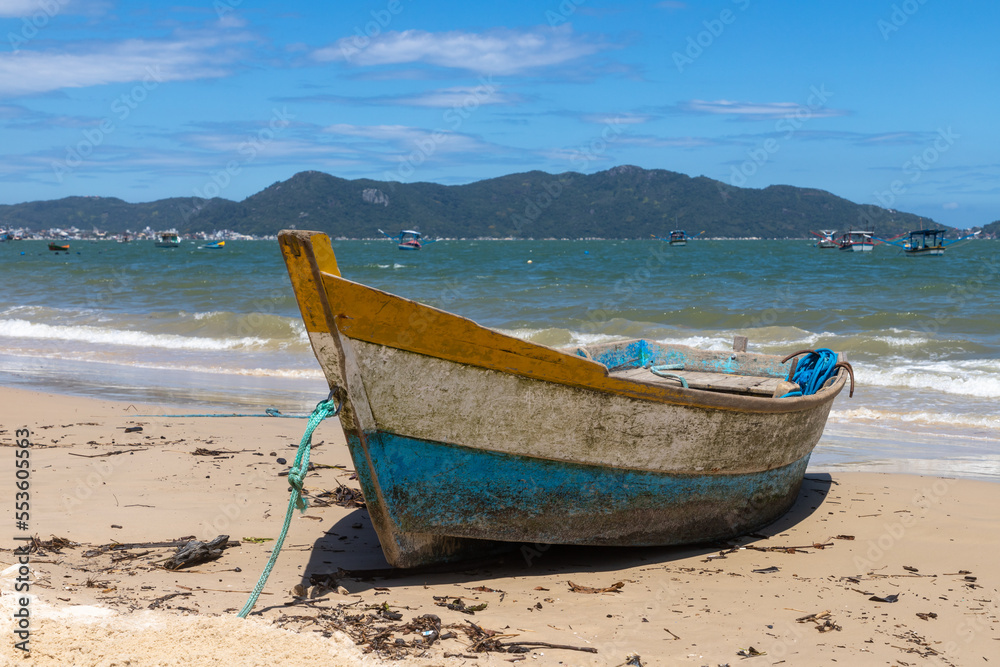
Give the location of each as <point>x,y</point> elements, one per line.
<point>622,202</point>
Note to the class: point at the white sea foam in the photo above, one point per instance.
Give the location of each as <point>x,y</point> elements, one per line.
<point>916,417</point>
<point>980,378</point>
<point>17,328</point>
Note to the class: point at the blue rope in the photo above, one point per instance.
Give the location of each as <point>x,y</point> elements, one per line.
<point>296,478</point>
<point>812,372</point>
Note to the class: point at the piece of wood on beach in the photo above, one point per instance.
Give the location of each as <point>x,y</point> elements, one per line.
<point>196,552</point>
<point>613,588</point>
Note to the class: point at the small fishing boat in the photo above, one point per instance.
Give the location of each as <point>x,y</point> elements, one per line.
<point>407,239</point>
<point>678,237</point>
<point>59,247</point>
<point>215,245</point>
<point>826,239</point>
<point>856,241</point>
<point>168,240</point>
<point>468,441</point>
<point>925,243</point>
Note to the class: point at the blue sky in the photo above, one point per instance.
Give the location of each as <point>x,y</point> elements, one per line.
<point>890,103</point>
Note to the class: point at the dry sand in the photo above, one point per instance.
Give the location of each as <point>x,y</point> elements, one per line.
<point>800,592</point>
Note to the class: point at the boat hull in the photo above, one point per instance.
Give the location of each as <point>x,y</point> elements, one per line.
<point>857,247</point>
<point>466,440</point>
<point>924,252</point>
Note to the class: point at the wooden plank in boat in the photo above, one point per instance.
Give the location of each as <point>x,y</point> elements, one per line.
<point>734,384</point>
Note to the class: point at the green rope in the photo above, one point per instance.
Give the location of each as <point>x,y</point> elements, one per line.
<point>296,477</point>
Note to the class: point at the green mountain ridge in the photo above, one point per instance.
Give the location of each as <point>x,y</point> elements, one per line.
<point>621,202</point>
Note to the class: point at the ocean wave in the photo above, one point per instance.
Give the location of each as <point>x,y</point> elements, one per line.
<point>979,378</point>
<point>17,328</point>
<point>928,417</point>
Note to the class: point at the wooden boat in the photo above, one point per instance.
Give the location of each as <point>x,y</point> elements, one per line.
<point>407,239</point>
<point>59,247</point>
<point>678,237</point>
<point>925,243</point>
<point>168,240</point>
<point>826,239</point>
<point>466,440</point>
<point>856,241</point>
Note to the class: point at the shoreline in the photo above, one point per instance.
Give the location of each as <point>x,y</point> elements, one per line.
<point>95,485</point>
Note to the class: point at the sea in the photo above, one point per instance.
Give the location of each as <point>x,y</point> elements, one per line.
<point>200,331</point>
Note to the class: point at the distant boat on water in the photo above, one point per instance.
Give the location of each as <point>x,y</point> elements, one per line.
<point>408,239</point>
<point>926,242</point>
<point>215,245</point>
<point>679,237</point>
<point>168,240</point>
<point>57,247</point>
<point>826,239</point>
<point>856,241</point>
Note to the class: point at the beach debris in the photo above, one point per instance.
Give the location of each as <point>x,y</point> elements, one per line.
<point>926,616</point>
<point>888,598</point>
<point>767,570</point>
<point>160,600</point>
<point>133,429</point>
<point>792,550</point>
<point>280,461</point>
<point>671,634</point>
<point>457,604</point>
<point>633,660</point>
<point>343,496</point>
<point>201,451</point>
<point>910,568</point>
<point>257,540</point>
<point>196,552</point>
<point>55,545</point>
<point>97,456</point>
<point>613,588</point>
<point>843,537</point>
<point>750,652</point>
<point>824,622</point>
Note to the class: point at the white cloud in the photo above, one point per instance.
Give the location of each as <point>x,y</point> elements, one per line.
<point>458,96</point>
<point>758,110</point>
<point>28,72</point>
<point>37,9</point>
<point>950,206</point>
<point>500,51</point>
<point>616,119</point>
<point>404,138</point>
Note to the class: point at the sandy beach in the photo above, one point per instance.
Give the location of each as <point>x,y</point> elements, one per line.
<point>872,569</point>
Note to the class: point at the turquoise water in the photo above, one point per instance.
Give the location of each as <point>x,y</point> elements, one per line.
<point>219,329</point>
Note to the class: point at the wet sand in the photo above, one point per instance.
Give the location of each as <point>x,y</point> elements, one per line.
<point>867,568</point>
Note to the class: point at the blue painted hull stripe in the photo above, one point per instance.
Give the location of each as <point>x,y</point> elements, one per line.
<point>432,487</point>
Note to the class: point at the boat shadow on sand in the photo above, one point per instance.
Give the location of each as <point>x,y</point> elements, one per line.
<point>348,553</point>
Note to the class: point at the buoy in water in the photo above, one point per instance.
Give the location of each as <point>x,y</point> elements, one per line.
<point>529,261</point>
